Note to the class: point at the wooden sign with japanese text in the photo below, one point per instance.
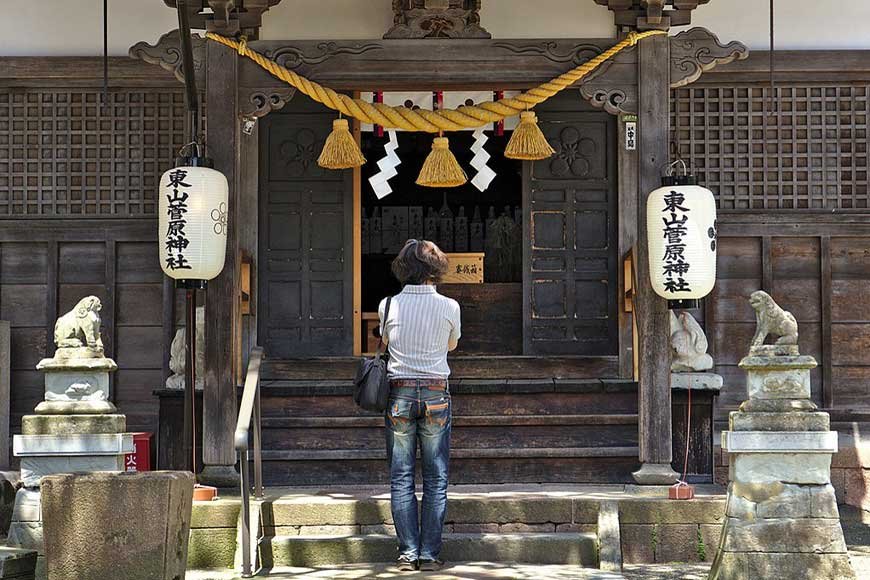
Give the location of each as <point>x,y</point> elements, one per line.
<point>465,268</point>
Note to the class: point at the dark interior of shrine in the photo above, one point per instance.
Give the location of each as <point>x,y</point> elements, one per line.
<point>460,220</point>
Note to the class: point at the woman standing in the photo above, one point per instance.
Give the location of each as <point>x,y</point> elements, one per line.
<point>419,329</point>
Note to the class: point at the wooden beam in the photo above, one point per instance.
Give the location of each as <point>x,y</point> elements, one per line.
<point>767,282</point>
<point>51,291</point>
<point>627,237</point>
<point>109,313</point>
<point>653,319</point>
<point>221,304</point>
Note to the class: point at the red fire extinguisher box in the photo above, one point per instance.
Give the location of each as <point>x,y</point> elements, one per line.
<point>140,459</point>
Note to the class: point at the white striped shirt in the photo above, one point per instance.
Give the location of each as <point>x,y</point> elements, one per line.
<point>421,326</point>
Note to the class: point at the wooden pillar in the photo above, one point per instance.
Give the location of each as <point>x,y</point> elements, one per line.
<point>652,311</point>
<point>221,320</point>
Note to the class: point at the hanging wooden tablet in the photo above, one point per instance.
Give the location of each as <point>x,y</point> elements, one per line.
<point>460,238</point>
<point>430,225</point>
<point>365,242</point>
<point>415,222</point>
<point>445,227</point>
<point>475,232</point>
<point>376,232</point>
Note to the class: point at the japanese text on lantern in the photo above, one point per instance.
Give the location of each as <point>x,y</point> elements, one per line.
<point>176,239</point>
<point>674,265</point>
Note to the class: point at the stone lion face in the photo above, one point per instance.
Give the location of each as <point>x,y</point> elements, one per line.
<point>758,299</point>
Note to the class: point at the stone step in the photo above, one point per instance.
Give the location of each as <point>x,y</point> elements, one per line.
<point>17,563</point>
<point>308,551</point>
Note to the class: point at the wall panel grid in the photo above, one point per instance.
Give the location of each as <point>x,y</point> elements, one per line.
<point>63,153</point>
<point>805,149</point>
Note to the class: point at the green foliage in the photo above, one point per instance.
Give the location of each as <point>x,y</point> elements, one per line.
<point>700,547</point>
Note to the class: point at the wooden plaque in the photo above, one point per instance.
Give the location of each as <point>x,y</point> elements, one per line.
<point>465,269</point>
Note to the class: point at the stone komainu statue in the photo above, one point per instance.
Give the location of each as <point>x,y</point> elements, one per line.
<point>771,319</point>
<point>80,327</point>
<point>688,345</point>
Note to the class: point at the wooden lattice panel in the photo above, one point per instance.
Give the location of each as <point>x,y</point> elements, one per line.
<point>810,154</point>
<point>62,153</point>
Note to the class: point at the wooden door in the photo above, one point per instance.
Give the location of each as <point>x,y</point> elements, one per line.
<point>570,256</point>
<point>305,238</point>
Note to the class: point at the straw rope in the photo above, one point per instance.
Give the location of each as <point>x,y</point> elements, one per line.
<point>465,117</point>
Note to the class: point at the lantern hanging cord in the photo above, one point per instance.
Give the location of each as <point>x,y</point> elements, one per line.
<point>465,117</point>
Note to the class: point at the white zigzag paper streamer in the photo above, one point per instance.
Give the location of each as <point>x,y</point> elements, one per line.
<point>485,174</point>
<point>380,181</point>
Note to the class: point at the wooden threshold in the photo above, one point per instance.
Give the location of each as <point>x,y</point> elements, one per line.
<point>489,453</point>
<point>458,420</point>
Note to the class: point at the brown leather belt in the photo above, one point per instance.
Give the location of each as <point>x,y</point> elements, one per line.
<point>433,384</point>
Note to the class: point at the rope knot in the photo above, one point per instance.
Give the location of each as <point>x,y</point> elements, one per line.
<point>633,37</point>
<point>243,46</point>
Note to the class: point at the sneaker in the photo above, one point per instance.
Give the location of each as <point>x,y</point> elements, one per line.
<point>406,564</point>
<point>431,565</point>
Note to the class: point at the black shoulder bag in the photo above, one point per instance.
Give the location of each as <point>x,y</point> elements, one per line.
<point>372,386</point>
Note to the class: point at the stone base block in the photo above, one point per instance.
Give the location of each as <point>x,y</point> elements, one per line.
<point>33,469</point>
<point>26,535</point>
<point>785,566</point>
<point>75,408</point>
<point>221,476</point>
<point>27,507</point>
<point>801,468</point>
<point>95,525</point>
<point>656,474</point>
<point>79,385</point>
<point>811,421</point>
<point>60,445</point>
<point>17,564</point>
<point>696,381</point>
<point>778,383</point>
<point>72,424</point>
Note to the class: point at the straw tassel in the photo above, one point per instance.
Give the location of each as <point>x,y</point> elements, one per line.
<point>340,150</point>
<point>528,142</point>
<point>441,169</point>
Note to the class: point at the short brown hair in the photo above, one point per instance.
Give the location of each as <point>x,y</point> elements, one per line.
<point>420,261</point>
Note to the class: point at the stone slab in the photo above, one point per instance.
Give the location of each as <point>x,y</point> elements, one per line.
<point>77,385</point>
<point>779,441</point>
<point>792,421</point>
<point>774,363</point>
<point>60,365</point>
<point>609,543</point>
<point>75,408</point>
<point>696,382</point>
<point>72,424</point>
<point>129,525</point>
<point>774,350</point>
<point>16,563</point>
<point>777,405</point>
<point>33,469</point>
<point>655,474</point>
<point>793,383</point>
<point>62,445</point>
<point>805,468</point>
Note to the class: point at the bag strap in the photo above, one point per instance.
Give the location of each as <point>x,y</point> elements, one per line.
<point>381,344</point>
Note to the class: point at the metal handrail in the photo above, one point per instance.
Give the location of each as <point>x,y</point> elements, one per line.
<point>248,410</point>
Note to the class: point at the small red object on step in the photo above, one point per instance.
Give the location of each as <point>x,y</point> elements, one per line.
<point>681,490</point>
<point>204,493</point>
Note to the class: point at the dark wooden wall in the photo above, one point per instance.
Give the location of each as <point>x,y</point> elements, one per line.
<point>78,187</point>
<point>791,179</point>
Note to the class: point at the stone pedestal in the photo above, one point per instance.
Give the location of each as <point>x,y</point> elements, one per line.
<point>782,520</point>
<point>76,429</point>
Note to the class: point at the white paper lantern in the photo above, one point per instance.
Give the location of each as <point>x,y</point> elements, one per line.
<point>681,231</point>
<point>193,223</point>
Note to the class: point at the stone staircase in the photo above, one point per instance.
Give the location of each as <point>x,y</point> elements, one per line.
<point>506,430</point>
<point>590,527</point>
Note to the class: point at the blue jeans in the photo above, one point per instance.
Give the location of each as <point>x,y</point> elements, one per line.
<point>419,414</point>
